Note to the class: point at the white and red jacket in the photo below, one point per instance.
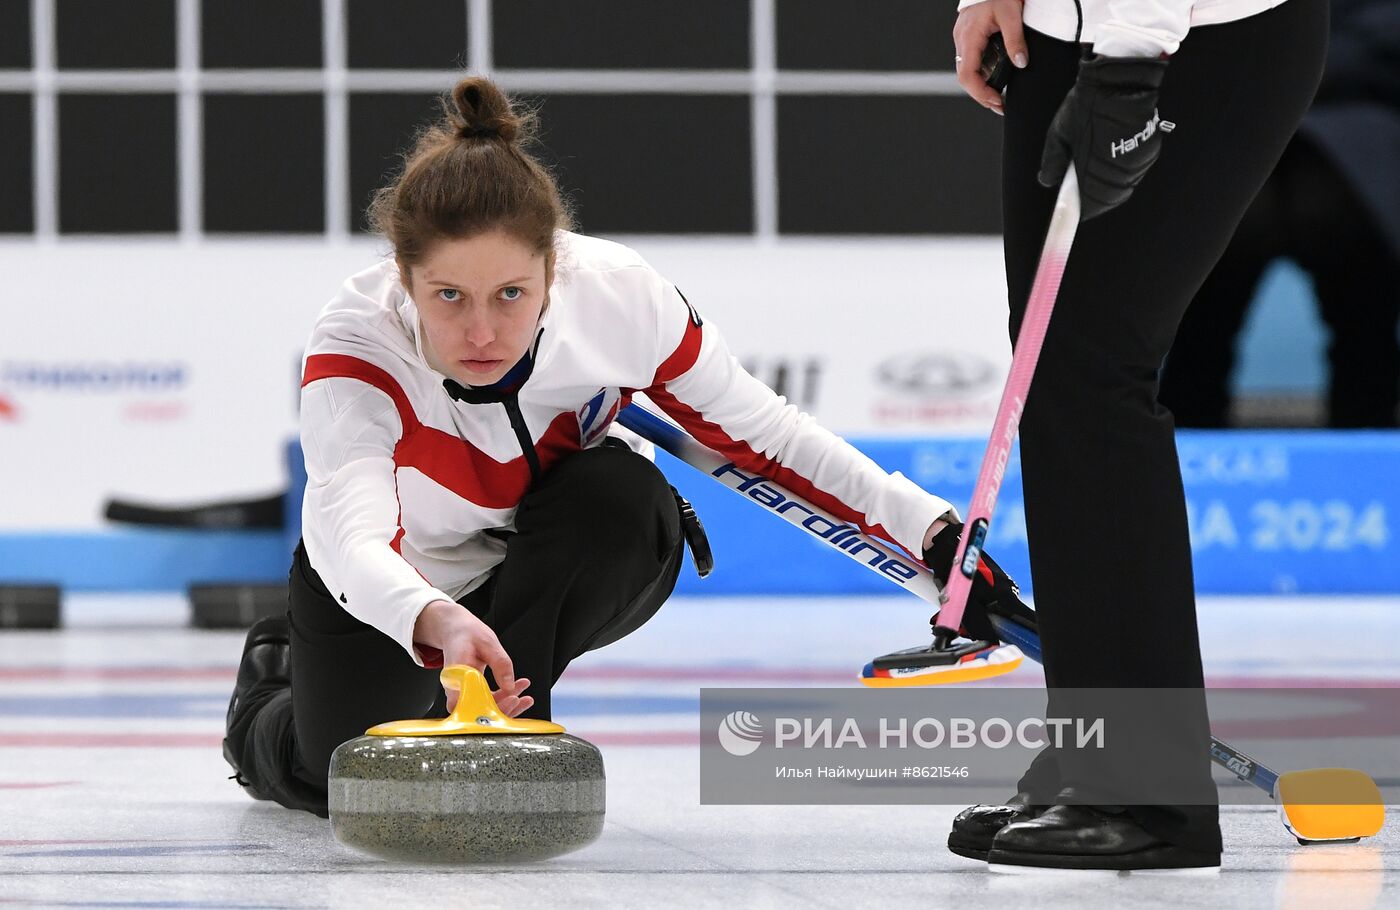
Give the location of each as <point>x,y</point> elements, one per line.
<point>404,482</point>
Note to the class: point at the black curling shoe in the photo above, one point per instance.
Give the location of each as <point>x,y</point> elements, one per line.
<point>265,668</point>
<point>1090,837</point>
<point>975,826</point>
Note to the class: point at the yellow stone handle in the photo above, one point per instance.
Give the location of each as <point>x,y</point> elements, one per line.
<point>476,712</point>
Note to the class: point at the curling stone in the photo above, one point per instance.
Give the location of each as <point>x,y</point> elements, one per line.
<point>474,787</point>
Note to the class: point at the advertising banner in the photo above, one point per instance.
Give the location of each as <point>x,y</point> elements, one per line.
<point>1269,513</point>
<point>167,374</point>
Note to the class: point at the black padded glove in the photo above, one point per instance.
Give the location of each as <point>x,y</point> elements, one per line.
<point>1109,127</point>
<point>993,591</point>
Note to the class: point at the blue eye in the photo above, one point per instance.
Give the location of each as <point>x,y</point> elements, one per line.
<point>445,291</point>
<point>513,293</point>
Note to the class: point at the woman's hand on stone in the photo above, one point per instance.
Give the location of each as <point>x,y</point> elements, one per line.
<point>464,639</point>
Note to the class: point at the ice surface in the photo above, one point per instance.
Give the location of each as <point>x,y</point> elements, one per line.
<point>114,792</point>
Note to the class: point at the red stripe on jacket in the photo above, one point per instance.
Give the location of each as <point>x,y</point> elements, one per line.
<point>445,458</point>
<point>743,455</point>
<point>682,358</point>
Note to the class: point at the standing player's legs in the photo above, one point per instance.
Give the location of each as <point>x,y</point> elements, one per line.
<point>597,552</point>
<point>1105,510</point>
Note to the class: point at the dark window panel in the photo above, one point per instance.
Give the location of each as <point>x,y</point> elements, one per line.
<point>652,163</point>
<point>406,34</point>
<point>264,163</point>
<point>16,164</point>
<point>15,36</point>
<point>116,164</point>
<point>621,34</point>
<point>382,127</point>
<point>104,35</point>
<point>879,35</point>
<point>888,165</point>
<point>265,34</point>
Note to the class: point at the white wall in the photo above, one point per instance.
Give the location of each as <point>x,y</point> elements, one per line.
<point>221,324</point>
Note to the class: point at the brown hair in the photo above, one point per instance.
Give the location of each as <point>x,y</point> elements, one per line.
<point>467,174</point>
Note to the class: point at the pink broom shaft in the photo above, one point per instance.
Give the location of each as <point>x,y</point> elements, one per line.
<point>1063,224</point>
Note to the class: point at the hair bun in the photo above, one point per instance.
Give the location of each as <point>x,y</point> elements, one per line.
<point>480,110</point>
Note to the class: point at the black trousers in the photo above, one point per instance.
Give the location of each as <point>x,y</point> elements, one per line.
<point>1105,510</point>
<point>1308,212</point>
<point>596,552</point>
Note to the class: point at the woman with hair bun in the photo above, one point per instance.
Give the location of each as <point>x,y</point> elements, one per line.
<point>469,500</point>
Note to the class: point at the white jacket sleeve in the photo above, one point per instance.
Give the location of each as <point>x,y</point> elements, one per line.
<point>350,516</point>
<point>1143,28</point>
<point>701,385</point>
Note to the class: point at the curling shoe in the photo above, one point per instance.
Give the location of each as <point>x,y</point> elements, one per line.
<point>264,669</point>
<point>1091,837</point>
<point>976,826</point>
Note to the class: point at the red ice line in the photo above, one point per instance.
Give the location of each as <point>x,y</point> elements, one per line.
<point>702,674</point>
<point>226,673</point>
<point>212,741</point>
<point>1373,716</point>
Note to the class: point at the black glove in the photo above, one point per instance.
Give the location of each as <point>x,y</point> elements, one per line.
<point>1109,127</point>
<point>993,592</point>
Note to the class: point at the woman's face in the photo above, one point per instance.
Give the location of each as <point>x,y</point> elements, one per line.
<point>480,299</point>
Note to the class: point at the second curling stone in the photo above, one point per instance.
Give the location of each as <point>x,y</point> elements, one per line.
<point>475,787</point>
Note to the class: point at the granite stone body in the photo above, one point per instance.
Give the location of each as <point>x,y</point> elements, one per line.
<point>477,798</point>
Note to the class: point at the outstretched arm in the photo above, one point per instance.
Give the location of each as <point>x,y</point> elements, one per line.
<point>701,385</point>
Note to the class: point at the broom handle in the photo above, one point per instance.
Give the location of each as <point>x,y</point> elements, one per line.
<point>1058,240</point>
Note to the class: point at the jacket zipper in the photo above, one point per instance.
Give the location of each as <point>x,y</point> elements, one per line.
<point>522,435</point>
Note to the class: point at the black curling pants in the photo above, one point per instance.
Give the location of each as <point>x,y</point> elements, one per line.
<point>1308,212</point>
<point>597,550</point>
<point>1105,511</point>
